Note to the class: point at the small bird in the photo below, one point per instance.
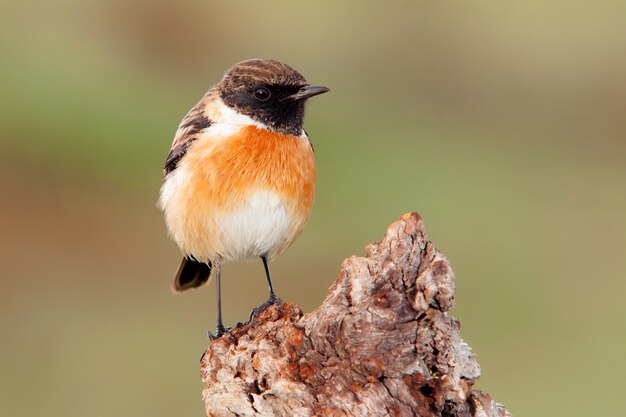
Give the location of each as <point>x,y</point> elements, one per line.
<point>239,180</point>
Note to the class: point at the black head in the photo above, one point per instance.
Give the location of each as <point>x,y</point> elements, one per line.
<point>269,92</point>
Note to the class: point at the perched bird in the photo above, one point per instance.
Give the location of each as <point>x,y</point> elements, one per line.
<point>239,180</point>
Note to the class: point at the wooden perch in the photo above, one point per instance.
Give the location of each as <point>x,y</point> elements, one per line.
<point>381,344</point>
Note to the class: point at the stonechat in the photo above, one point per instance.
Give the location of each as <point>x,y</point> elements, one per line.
<point>239,180</point>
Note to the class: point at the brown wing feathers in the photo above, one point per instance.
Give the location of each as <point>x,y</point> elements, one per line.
<point>175,155</point>
<point>194,123</point>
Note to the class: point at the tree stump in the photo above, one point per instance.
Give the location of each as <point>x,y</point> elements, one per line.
<point>381,344</point>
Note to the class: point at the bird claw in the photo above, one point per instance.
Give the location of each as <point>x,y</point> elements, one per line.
<point>271,301</point>
<point>219,332</point>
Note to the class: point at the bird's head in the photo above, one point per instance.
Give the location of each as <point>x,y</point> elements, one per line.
<point>269,92</point>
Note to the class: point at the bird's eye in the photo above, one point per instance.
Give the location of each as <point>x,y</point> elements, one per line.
<point>262,93</point>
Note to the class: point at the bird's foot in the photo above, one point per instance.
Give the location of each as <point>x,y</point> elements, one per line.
<point>271,301</point>
<point>219,332</point>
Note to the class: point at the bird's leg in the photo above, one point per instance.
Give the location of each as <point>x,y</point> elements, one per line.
<point>220,329</point>
<point>273,299</point>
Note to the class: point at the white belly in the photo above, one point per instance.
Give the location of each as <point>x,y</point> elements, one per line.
<point>260,227</point>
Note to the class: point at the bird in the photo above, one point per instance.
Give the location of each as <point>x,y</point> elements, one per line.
<point>239,179</point>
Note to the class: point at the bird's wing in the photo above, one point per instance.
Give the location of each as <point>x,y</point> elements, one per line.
<point>194,123</point>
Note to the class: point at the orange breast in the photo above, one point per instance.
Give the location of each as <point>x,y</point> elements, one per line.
<point>252,159</point>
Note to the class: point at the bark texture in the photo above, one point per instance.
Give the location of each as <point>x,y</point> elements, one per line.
<point>381,344</point>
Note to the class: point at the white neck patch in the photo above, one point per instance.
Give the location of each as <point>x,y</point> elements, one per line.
<point>228,120</point>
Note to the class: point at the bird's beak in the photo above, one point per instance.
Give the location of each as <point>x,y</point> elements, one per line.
<point>308,91</point>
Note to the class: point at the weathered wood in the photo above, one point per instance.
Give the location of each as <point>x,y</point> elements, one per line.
<point>381,344</point>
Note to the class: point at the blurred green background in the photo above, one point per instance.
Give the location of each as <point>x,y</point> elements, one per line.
<point>502,123</point>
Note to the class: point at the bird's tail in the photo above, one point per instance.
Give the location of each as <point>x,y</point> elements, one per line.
<point>191,274</point>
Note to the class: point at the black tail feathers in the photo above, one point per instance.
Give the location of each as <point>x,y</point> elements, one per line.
<point>191,274</point>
